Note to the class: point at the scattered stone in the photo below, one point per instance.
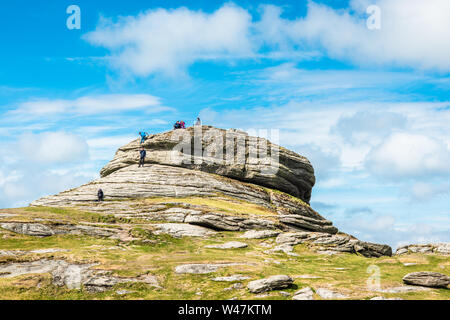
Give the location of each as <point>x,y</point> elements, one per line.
<point>236,286</point>
<point>43,230</point>
<point>383,298</point>
<point>332,243</point>
<point>408,264</point>
<point>260,234</point>
<point>329,294</point>
<point>202,268</point>
<point>270,283</point>
<point>29,229</point>
<point>437,248</point>
<point>7,215</point>
<point>401,289</point>
<point>100,284</point>
<point>178,230</point>
<point>228,245</point>
<point>123,292</point>
<point>41,251</point>
<point>285,294</point>
<point>236,277</point>
<point>304,294</point>
<point>427,279</point>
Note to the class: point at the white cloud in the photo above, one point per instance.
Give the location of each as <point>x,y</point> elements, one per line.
<point>88,105</point>
<point>53,147</point>
<point>407,155</point>
<point>424,191</point>
<point>412,32</point>
<point>364,126</point>
<point>168,41</point>
<point>23,185</point>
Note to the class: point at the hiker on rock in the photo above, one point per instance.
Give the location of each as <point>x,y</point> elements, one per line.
<point>142,154</point>
<point>100,195</point>
<point>198,122</point>
<point>144,136</point>
<point>182,125</point>
<point>177,125</point>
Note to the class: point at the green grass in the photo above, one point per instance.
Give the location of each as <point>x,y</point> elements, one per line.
<point>73,215</point>
<point>223,204</point>
<point>163,253</point>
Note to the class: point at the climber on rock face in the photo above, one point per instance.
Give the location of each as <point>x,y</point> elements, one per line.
<point>100,195</point>
<point>144,135</point>
<point>142,154</point>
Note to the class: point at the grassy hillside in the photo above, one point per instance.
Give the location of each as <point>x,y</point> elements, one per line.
<point>158,255</point>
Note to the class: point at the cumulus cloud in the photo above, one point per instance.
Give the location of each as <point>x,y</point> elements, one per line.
<point>412,34</point>
<point>168,41</point>
<point>21,186</point>
<point>53,148</point>
<point>88,105</point>
<point>324,162</point>
<point>364,126</point>
<point>424,191</point>
<point>407,155</point>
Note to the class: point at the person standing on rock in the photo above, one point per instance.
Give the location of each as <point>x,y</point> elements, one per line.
<point>198,122</point>
<point>100,195</point>
<point>144,135</point>
<point>142,154</point>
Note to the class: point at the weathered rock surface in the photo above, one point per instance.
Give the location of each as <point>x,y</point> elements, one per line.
<point>294,174</point>
<point>260,234</point>
<point>400,289</point>
<point>167,176</point>
<point>201,268</point>
<point>304,294</point>
<point>427,279</point>
<point>236,277</point>
<point>41,230</point>
<point>383,298</point>
<point>307,223</point>
<point>331,243</point>
<point>219,221</point>
<point>183,230</point>
<point>228,245</point>
<point>330,294</point>
<point>439,248</point>
<point>71,275</point>
<point>270,283</point>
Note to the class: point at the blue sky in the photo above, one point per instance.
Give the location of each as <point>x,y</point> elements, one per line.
<point>369,107</point>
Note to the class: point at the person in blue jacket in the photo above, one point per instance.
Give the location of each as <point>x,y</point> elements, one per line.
<point>144,136</point>
<point>142,154</point>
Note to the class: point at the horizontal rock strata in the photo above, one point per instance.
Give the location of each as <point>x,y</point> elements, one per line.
<point>294,174</point>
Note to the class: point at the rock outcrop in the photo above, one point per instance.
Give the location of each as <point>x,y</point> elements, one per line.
<point>427,279</point>
<point>220,166</point>
<point>228,153</point>
<point>270,283</point>
<point>439,248</point>
<point>331,244</point>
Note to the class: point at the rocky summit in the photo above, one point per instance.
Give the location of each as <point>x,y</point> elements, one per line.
<point>211,214</point>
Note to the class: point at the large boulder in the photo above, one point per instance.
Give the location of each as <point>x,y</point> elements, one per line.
<point>230,153</point>
<point>176,182</point>
<point>270,283</point>
<point>427,279</point>
<point>437,248</point>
